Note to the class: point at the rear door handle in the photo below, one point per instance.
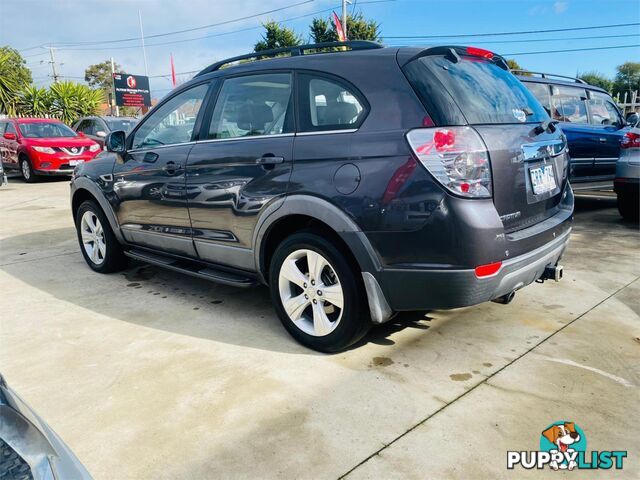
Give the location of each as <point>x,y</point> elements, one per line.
<point>603,140</point>
<point>269,160</point>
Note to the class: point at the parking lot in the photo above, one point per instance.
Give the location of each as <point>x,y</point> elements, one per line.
<point>152,374</point>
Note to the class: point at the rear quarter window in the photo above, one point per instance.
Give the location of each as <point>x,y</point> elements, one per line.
<point>483,92</point>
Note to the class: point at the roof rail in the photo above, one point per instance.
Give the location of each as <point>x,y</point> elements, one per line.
<point>293,51</point>
<point>546,75</point>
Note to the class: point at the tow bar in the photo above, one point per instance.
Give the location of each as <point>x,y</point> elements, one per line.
<point>551,272</point>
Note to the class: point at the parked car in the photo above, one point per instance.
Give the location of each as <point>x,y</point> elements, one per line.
<point>627,180</point>
<point>97,128</point>
<point>354,183</point>
<point>591,121</point>
<point>29,448</point>
<point>43,146</point>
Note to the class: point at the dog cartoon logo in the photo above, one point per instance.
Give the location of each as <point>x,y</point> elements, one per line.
<point>565,438</point>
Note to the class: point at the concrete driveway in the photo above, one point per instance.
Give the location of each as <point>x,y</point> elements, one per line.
<point>152,374</point>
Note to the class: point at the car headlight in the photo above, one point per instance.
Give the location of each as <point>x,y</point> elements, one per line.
<point>94,148</point>
<point>44,150</point>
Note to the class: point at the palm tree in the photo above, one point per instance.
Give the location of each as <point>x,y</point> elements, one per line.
<point>8,88</point>
<point>70,101</point>
<point>34,101</point>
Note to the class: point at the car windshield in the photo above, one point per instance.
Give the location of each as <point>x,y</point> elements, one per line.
<point>484,92</point>
<point>124,124</point>
<point>46,130</point>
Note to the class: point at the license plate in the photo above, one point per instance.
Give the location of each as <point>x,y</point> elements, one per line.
<point>73,163</point>
<point>542,179</point>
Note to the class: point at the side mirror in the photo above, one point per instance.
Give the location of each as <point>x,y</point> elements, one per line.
<point>115,142</point>
<point>81,134</point>
<point>632,119</point>
<point>10,136</point>
<point>101,134</point>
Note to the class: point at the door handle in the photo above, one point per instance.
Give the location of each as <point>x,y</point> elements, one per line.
<point>150,157</point>
<point>171,167</point>
<point>602,140</point>
<point>269,160</point>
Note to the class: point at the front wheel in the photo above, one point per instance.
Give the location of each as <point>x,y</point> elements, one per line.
<point>317,294</point>
<point>98,244</point>
<point>629,206</point>
<point>27,171</point>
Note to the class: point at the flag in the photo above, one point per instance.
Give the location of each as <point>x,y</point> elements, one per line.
<point>173,73</point>
<point>339,30</point>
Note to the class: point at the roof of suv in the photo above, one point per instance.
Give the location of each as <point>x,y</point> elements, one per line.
<point>558,80</point>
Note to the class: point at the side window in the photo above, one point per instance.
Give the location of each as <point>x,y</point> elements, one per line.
<point>3,125</point>
<point>173,122</point>
<point>602,111</point>
<point>568,104</point>
<point>541,92</point>
<point>327,104</point>
<point>253,105</point>
<point>90,127</point>
<point>10,128</point>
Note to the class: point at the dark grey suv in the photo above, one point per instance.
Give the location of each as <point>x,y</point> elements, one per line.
<point>355,180</point>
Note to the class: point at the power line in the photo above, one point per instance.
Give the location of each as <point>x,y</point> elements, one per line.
<point>570,50</point>
<point>528,40</point>
<point>524,32</point>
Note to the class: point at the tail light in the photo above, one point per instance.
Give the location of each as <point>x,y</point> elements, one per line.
<point>456,157</point>
<point>480,52</point>
<point>630,140</point>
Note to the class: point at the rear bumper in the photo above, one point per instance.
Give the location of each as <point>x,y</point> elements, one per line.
<point>444,289</point>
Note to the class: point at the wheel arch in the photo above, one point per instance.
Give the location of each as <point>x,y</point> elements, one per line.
<point>84,189</point>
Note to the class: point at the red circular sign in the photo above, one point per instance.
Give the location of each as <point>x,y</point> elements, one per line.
<point>131,82</point>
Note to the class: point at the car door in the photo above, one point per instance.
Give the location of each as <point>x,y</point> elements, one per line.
<point>11,144</point>
<point>3,125</point>
<point>568,106</point>
<point>149,179</point>
<point>241,165</point>
<point>607,123</point>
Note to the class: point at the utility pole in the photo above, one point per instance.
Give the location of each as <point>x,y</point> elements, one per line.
<point>53,65</point>
<point>144,52</point>
<point>344,18</point>
<point>113,86</point>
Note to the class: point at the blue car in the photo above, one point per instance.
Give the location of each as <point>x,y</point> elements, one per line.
<point>591,121</point>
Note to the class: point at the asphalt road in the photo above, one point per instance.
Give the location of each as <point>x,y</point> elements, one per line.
<point>152,374</point>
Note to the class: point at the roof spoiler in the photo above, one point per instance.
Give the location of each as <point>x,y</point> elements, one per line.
<point>453,52</point>
<point>311,48</point>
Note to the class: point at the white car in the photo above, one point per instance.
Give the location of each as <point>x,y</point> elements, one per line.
<point>627,181</point>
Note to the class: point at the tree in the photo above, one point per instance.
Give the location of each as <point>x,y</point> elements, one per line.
<point>277,36</point>
<point>70,101</point>
<point>34,101</point>
<point>627,79</point>
<point>99,74</point>
<point>358,28</point>
<point>15,66</point>
<point>596,78</point>
<point>8,87</point>
<point>514,65</point>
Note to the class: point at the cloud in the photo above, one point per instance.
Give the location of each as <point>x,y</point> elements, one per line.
<point>560,7</point>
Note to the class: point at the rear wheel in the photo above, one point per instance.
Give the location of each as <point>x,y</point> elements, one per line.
<point>629,206</point>
<point>99,246</point>
<point>27,170</point>
<point>317,294</point>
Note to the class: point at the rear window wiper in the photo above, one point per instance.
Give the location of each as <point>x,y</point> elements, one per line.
<point>545,126</point>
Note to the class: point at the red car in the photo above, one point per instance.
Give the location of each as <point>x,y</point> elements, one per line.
<point>43,146</point>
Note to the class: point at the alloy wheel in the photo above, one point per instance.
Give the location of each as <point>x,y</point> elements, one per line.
<point>93,240</point>
<point>26,170</point>
<point>311,293</point>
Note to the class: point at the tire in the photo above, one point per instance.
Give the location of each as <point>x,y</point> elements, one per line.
<point>629,206</point>
<point>26,170</point>
<point>91,222</point>
<point>314,320</point>
<point>12,466</point>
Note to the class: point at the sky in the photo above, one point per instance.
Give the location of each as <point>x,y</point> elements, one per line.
<point>74,27</point>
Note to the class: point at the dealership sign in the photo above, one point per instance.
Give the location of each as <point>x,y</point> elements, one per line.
<point>131,90</point>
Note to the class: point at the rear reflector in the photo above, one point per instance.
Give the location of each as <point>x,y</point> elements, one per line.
<point>480,52</point>
<point>488,270</point>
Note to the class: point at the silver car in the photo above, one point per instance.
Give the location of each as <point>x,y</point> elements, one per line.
<point>29,448</point>
<point>627,178</point>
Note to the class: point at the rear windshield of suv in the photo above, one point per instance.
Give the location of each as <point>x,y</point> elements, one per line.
<point>482,91</point>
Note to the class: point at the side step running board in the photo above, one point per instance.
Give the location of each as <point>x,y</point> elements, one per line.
<point>194,269</point>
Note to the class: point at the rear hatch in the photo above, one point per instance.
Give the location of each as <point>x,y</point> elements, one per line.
<point>460,86</point>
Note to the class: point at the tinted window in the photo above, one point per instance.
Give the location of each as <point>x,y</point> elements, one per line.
<point>327,104</point>
<point>124,124</point>
<point>173,122</point>
<point>602,111</point>
<point>253,105</point>
<point>10,128</point>
<point>541,92</point>
<point>46,130</point>
<point>484,92</point>
<point>568,104</point>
